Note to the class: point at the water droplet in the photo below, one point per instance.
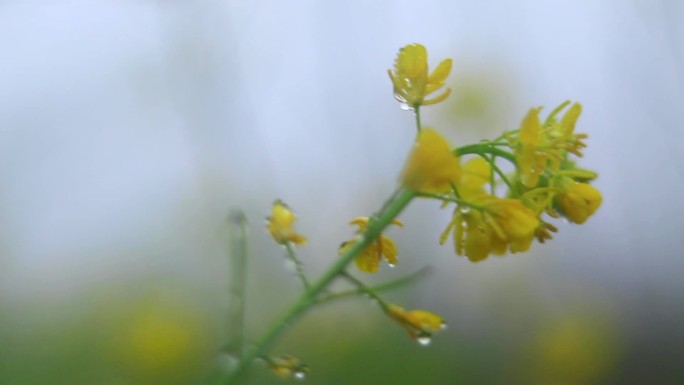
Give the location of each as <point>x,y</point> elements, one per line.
<point>299,375</point>
<point>402,102</point>
<point>465,210</point>
<point>404,106</point>
<point>424,340</point>
<point>443,326</point>
<point>392,265</point>
<point>227,361</point>
<point>290,265</point>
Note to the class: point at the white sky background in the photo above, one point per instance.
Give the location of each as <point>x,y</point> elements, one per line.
<point>136,125</point>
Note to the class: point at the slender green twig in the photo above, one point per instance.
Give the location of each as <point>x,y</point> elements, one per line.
<point>238,266</point>
<point>449,198</point>
<point>485,148</point>
<point>308,298</point>
<point>389,285</point>
<point>365,289</point>
<point>498,171</point>
<point>292,255</point>
<point>492,181</point>
<point>418,123</point>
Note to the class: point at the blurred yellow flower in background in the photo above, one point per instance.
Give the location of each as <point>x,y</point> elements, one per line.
<point>159,340</point>
<point>572,350</point>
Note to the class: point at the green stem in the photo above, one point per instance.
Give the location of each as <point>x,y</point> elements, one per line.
<point>418,123</point>
<point>292,255</point>
<point>484,148</point>
<point>449,198</point>
<point>365,289</point>
<point>498,171</point>
<point>308,298</point>
<point>238,264</point>
<point>389,285</point>
<point>492,182</point>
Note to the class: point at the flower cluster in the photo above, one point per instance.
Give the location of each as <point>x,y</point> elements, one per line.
<point>545,182</point>
<point>509,215</point>
<point>497,209</point>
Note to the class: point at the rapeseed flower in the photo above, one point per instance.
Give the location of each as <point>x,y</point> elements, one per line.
<point>529,156</point>
<point>417,323</point>
<point>411,80</point>
<point>492,225</point>
<point>475,174</point>
<point>281,225</point>
<point>369,259</point>
<point>579,201</point>
<point>431,165</point>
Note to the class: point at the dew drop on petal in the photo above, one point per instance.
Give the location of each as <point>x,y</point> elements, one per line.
<point>404,106</point>
<point>424,340</point>
<point>299,375</point>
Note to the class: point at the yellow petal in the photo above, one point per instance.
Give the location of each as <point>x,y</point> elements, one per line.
<point>570,119</point>
<point>281,225</point>
<point>529,128</point>
<point>440,73</point>
<point>431,166</point>
<point>389,249</point>
<point>412,62</point>
<point>368,260</point>
<point>580,202</point>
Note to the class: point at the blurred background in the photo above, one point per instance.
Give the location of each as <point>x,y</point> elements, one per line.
<point>130,129</point>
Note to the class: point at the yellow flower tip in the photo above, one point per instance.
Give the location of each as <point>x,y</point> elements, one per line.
<point>411,80</point>
<point>570,119</point>
<point>431,166</point>
<point>417,323</point>
<point>440,74</point>
<point>579,202</point>
<point>281,225</point>
<point>288,367</point>
<point>531,160</point>
<point>529,127</point>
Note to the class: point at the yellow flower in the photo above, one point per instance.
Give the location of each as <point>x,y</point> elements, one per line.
<point>497,226</point>
<point>288,367</point>
<point>431,166</point>
<point>511,221</point>
<point>530,158</point>
<point>383,247</point>
<point>419,324</point>
<point>410,77</point>
<point>579,201</point>
<point>476,173</point>
<point>573,142</point>
<point>281,225</point>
